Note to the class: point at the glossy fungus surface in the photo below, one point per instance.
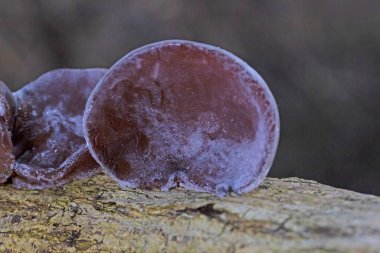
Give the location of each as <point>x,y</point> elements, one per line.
<point>180,113</point>
<point>7,117</point>
<point>48,137</point>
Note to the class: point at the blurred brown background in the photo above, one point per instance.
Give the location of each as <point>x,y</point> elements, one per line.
<point>321,60</point>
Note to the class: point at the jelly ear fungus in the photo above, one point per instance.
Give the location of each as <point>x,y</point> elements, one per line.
<point>181,113</point>
<point>48,140</point>
<point>7,118</point>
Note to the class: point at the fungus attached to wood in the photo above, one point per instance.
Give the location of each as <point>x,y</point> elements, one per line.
<point>172,113</point>
<point>183,113</point>
<point>49,146</point>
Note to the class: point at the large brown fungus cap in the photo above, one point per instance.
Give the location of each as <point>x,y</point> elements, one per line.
<point>183,113</point>
<point>48,137</point>
<point>7,117</point>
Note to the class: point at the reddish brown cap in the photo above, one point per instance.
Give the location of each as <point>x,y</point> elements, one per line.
<point>183,113</point>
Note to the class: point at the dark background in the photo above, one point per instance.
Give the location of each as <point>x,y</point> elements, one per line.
<point>321,60</point>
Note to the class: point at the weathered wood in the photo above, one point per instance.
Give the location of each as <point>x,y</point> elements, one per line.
<point>283,215</point>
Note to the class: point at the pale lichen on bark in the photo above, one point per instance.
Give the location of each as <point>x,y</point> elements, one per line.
<point>95,215</point>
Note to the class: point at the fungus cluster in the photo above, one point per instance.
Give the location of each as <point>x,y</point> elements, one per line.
<point>172,113</point>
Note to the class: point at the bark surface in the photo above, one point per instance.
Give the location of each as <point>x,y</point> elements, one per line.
<point>95,215</point>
